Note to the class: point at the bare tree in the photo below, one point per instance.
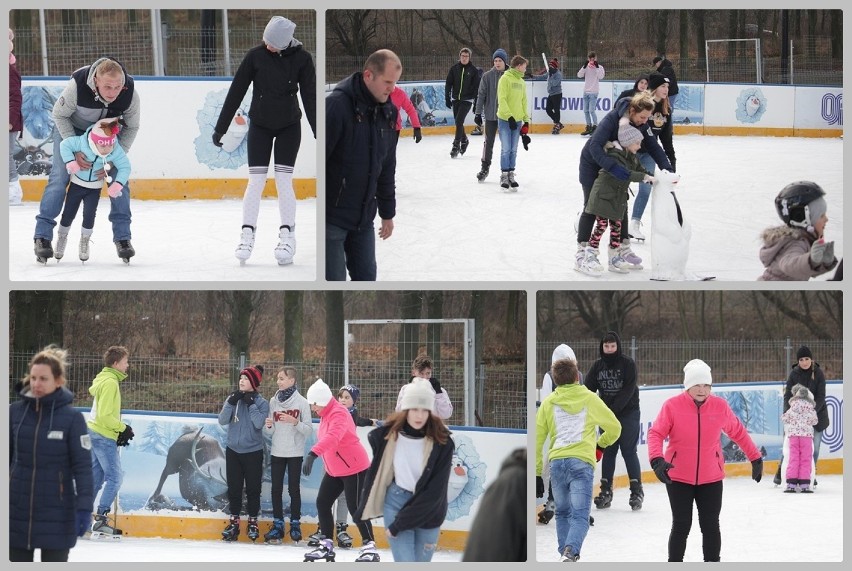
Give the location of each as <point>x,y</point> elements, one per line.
<point>353,30</point>
<point>293,334</point>
<point>334,346</point>
<point>234,314</point>
<point>410,304</point>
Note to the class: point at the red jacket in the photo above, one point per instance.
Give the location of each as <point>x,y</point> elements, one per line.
<point>694,433</point>
<point>338,444</point>
<point>401,100</point>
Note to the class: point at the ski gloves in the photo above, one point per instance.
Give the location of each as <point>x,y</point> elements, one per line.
<point>418,136</point>
<point>757,469</point>
<point>235,397</point>
<point>309,463</point>
<point>478,119</point>
<point>125,437</point>
<point>539,487</point>
<point>661,469</point>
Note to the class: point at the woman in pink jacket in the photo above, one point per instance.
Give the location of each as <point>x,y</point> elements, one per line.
<point>346,463</point>
<point>692,465</point>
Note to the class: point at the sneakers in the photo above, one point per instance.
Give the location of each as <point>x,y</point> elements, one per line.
<point>43,249</point>
<point>368,553</point>
<point>16,193</point>
<point>61,241</point>
<point>483,172</point>
<point>586,260</point>
<point>568,556</point>
<point>504,179</point>
<point>636,229</point>
<point>286,248</point>
<point>125,250</point>
<point>83,250</point>
<point>512,182</point>
<point>243,251</point>
<point>634,262</point>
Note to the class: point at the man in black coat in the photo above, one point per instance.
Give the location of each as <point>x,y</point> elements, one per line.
<point>460,92</point>
<point>360,176</point>
<point>614,378</point>
<point>664,66</point>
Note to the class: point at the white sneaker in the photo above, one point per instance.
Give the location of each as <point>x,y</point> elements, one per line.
<point>16,193</point>
<point>636,229</point>
<point>244,249</point>
<point>286,248</point>
<point>634,262</point>
<point>617,264</point>
<point>61,241</point>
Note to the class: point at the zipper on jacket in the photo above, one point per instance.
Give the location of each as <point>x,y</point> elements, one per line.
<point>698,455</point>
<point>33,479</point>
<point>342,460</point>
<point>340,192</point>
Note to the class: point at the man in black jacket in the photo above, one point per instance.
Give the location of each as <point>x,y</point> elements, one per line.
<point>360,178</point>
<point>664,66</point>
<point>460,92</point>
<point>614,378</point>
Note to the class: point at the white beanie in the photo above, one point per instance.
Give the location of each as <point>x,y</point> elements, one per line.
<point>563,351</point>
<point>318,393</point>
<point>418,394</point>
<point>279,32</point>
<point>696,372</point>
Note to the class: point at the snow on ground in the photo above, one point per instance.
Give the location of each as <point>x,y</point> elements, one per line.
<point>450,227</point>
<point>759,523</point>
<point>179,240</point>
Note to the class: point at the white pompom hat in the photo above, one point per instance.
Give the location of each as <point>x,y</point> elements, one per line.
<point>318,393</point>
<point>696,372</point>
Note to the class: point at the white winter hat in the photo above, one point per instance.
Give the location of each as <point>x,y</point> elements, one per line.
<point>418,394</point>
<point>696,372</point>
<point>279,32</point>
<point>563,351</point>
<point>318,393</point>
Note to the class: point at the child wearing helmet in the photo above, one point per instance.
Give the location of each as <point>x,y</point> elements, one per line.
<point>797,250</point>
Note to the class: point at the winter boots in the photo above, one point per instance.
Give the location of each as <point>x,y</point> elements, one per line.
<point>604,499</point>
<point>368,553</point>
<point>588,131</point>
<point>101,528</point>
<point>286,248</point>
<point>324,550</point>
<point>61,241</point>
<point>295,530</point>
<point>637,495</point>
<point>343,538</point>
<point>244,248</point>
<point>275,535</point>
<point>483,172</point>
<point>232,530</point>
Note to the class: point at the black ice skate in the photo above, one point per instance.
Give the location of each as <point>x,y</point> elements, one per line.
<point>547,513</point>
<point>454,152</point>
<point>463,147</point>
<point>483,172</point>
<point>368,553</point>
<point>102,529</point>
<point>604,499</point>
<point>232,531</point>
<point>251,530</point>
<point>314,539</point>
<point>125,250</point>
<point>325,550</point>
<point>43,250</point>
<point>295,530</point>
<point>637,495</point>
<point>513,184</point>
<point>343,538</point>
<point>275,535</point>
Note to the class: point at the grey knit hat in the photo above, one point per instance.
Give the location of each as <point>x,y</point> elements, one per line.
<point>279,32</point>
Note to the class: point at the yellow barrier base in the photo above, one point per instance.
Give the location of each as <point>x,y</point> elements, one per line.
<point>571,129</point>
<point>210,528</point>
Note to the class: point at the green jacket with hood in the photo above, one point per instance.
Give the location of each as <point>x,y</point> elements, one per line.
<point>105,418</point>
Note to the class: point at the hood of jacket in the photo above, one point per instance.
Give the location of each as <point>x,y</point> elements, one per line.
<point>610,358</point>
<point>107,375</point>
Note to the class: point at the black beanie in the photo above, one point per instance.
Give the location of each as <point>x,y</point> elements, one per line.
<point>655,80</point>
<point>804,351</point>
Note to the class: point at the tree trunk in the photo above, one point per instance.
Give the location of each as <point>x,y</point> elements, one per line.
<point>36,322</point>
<point>239,328</point>
<point>434,310</point>
<point>334,345</point>
<point>408,341</point>
<point>293,313</point>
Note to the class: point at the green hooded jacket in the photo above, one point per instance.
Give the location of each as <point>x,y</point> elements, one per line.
<point>512,97</point>
<point>105,418</point>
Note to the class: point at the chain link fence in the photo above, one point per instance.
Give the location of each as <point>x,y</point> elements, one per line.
<point>661,362</point>
<point>180,42</point>
<point>181,385</point>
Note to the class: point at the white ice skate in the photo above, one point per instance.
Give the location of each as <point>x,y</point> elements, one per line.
<point>243,251</point>
<point>636,230</point>
<point>16,193</point>
<point>617,264</point>
<point>286,248</point>
<point>586,261</point>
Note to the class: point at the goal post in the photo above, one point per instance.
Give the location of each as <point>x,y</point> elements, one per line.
<point>733,60</point>
<point>379,352</point>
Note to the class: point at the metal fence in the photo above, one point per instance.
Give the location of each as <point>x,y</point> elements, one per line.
<point>172,384</point>
<point>147,42</point>
<point>661,362</point>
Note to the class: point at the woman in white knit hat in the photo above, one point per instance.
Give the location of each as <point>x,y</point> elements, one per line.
<point>408,477</point>
<point>692,466</point>
<point>346,463</point>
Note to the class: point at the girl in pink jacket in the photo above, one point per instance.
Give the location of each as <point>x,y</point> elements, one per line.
<point>692,465</point>
<point>346,463</point>
<point>799,421</point>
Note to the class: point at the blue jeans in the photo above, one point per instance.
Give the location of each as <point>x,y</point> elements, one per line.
<point>508,144</point>
<point>644,188</point>
<point>817,442</point>
<point>353,250</point>
<point>54,197</point>
<point>412,544</point>
<point>672,99</point>
<point>106,469</point>
<point>571,480</point>
<point>590,104</point>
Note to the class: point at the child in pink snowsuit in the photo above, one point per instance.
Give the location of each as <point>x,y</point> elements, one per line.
<point>799,421</point>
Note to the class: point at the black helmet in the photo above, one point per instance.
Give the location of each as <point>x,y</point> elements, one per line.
<point>792,202</point>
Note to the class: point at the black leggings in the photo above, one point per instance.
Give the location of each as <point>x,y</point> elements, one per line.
<point>245,468</point>
<point>708,500</point>
<point>329,489</point>
<point>293,468</point>
<point>26,555</point>
<point>552,107</point>
<point>286,141</point>
<point>460,110</point>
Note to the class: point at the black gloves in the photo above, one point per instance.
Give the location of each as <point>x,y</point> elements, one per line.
<point>539,487</point>
<point>125,437</point>
<point>757,469</point>
<point>525,139</point>
<point>477,119</point>
<point>84,522</point>
<point>448,102</point>
<point>217,139</point>
<point>418,136</point>
<point>436,386</point>
<point>512,123</point>
<point>248,398</point>
<point>661,469</point>
<point>235,397</point>
<point>309,463</point>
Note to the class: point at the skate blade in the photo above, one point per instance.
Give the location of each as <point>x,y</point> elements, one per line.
<point>101,536</point>
<point>285,262</point>
<point>272,541</point>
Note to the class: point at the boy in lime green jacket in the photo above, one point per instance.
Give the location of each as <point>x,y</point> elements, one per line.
<point>570,417</point>
<point>513,119</point>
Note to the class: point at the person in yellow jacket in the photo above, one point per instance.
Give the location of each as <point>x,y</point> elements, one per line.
<point>513,119</point>
<point>570,417</point>
<point>108,432</point>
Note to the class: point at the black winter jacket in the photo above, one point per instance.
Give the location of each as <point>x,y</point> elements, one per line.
<point>814,380</point>
<point>276,79</point>
<point>613,377</point>
<point>667,69</point>
<point>462,83</point>
<point>359,152</point>
<point>594,157</point>
<point>50,471</point>
<point>427,508</point>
